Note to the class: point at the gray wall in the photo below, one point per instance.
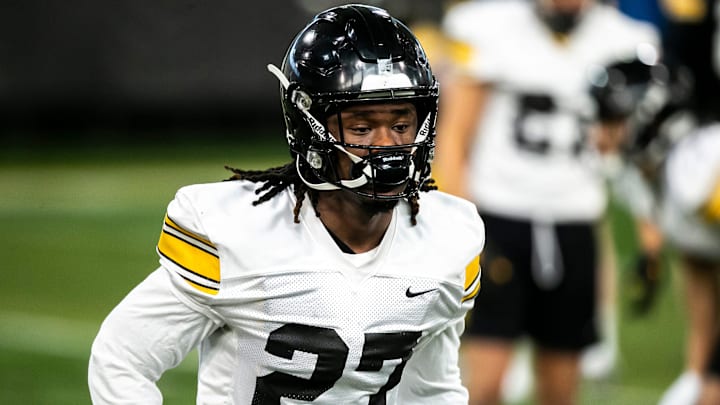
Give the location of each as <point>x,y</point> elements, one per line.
<point>102,62</point>
<point>109,63</point>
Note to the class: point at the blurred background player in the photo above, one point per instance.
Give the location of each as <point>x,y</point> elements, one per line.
<point>677,152</point>
<point>691,221</point>
<point>516,136</point>
<point>689,176</point>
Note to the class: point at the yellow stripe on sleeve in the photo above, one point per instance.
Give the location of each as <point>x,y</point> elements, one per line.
<point>196,258</point>
<point>175,226</point>
<point>711,210</point>
<point>472,279</point>
<point>190,257</point>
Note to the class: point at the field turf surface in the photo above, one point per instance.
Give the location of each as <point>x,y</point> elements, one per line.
<point>79,227</point>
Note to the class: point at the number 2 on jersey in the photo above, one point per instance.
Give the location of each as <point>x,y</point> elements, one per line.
<point>332,354</point>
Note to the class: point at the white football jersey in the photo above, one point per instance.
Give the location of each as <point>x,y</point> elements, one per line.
<point>532,157</point>
<point>282,316</point>
<point>692,188</point>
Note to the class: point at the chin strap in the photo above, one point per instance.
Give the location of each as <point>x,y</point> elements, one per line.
<point>325,186</point>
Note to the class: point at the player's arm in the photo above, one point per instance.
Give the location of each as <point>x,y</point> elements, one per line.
<point>163,318</point>
<point>432,375</point>
<point>633,191</point>
<point>464,94</point>
<point>460,109</point>
<point>647,266</point>
<point>149,332</point>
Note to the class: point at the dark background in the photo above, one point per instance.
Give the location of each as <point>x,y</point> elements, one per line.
<point>83,68</point>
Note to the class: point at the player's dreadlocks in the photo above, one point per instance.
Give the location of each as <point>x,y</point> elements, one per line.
<point>277,179</point>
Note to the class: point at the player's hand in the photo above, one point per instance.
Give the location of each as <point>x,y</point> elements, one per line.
<point>645,282</point>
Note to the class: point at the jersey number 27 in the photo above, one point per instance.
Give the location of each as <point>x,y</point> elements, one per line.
<point>331,354</point>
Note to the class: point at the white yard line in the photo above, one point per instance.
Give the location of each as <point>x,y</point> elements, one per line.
<point>46,335</point>
<point>55,336</point>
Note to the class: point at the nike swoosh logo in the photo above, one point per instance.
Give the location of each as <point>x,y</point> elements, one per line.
<point>411,294</point>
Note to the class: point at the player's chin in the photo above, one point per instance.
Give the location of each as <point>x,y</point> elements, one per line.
<point>385,192</point>
<point>377,206</point>
<point>382,198</point>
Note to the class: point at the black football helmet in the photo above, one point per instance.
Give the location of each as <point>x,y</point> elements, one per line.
<point>629,86</point>
<point>348,55</point>
<point>651,97</point>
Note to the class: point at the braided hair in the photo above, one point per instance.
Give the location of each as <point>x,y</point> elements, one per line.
<point>279,178</point>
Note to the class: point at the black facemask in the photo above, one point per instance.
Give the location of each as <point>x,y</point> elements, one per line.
<point>390,169</point>
<point>560,22</point>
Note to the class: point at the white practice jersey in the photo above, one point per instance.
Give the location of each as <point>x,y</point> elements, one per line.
<point>692,191</point>
<point>282,316</point>
<point>532,158</point>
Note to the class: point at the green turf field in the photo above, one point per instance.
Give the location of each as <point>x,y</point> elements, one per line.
<point>79,227</point>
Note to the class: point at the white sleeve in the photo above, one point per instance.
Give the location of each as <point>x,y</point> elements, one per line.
<point>432,375</point>
<point>692,168</point>
<point>634,192</point>
<point>151,330</point>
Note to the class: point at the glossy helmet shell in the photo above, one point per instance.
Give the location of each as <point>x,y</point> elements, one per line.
<point>619,89</point>
<point>347,55</point>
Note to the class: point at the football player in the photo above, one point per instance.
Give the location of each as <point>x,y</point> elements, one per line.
<point>321,281</point>
<point>517,136</point>
<point>690,217</point>
<point>690,174</point>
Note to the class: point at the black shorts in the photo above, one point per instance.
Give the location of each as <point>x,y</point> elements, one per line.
<point>538,280</point>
